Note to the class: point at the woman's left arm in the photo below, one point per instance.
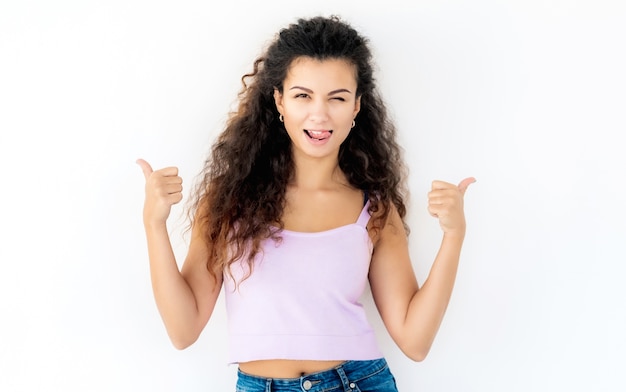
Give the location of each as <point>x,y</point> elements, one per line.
<point>411,314</point>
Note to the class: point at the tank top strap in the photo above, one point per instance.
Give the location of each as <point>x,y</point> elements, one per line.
<point>364,217</point>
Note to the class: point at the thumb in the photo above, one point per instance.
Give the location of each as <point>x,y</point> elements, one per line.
<point>466,183</point>
<point>145,167</point>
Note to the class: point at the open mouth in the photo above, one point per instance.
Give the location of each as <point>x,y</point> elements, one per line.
<point>318,135</point>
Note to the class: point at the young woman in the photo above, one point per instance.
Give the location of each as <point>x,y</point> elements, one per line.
<point>302,203</point>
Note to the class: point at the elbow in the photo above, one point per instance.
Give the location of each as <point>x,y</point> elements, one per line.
<point>182,341</point>
<point>416,352</point>
<point>183,332</point>
<point>416,355</point>
<point>181,344</point>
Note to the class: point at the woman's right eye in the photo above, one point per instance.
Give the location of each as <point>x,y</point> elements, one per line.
<point>302,95</point>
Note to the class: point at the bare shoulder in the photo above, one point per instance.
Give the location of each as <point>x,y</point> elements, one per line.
<point>391,228</point>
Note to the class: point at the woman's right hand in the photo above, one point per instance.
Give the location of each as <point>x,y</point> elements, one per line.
<point>163,189</point>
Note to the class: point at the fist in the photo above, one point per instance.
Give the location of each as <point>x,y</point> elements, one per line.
<point>163,189</point>
<point>445,202</point>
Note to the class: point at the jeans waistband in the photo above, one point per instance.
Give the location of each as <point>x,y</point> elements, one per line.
<point>347,373</point>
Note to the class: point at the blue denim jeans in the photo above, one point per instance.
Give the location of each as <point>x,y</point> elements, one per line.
<point>350,376</point>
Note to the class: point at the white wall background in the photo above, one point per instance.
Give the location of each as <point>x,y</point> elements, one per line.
<point>527,96</point>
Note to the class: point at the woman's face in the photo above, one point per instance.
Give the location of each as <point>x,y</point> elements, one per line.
<point>318,104</point>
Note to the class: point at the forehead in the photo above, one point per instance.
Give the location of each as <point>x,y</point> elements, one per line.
<point>328,73</point>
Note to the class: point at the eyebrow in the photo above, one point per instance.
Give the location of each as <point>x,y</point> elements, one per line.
<point>340,90</point>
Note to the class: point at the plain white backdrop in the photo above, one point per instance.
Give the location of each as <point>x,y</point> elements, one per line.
<point>527,96</point>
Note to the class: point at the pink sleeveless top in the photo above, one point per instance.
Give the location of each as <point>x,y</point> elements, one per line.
<point>302,300</point>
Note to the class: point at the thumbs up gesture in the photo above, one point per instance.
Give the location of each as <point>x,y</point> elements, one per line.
<point>163,189</point>
<point>445,202</point>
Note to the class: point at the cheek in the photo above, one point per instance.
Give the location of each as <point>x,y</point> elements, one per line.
<point>292,126</point>
<point>344,118</point>
<point>343,113</point>
<point>294,113</point>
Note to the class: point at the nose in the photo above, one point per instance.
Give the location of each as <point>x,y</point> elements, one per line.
<point>318,111</point>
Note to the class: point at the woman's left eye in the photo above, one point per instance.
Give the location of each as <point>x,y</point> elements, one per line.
<point>339,99</point>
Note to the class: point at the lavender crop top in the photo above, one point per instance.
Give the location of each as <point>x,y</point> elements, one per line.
<point>302,300</point>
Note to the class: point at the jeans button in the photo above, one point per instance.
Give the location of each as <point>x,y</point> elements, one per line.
<point>352,385</point>
<point>307,385</point>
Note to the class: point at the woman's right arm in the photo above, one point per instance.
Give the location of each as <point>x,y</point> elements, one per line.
<point>185,298</point>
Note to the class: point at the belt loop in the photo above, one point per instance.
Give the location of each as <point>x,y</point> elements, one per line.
<point>268,385</point>
<point>344,378</point>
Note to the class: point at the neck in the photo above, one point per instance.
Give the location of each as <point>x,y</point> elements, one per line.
<point>315,173</point>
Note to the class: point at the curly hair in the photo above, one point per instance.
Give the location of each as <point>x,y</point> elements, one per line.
<point>240,196</point>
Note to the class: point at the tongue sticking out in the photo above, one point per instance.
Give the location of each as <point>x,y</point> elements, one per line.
<point>319,135</point>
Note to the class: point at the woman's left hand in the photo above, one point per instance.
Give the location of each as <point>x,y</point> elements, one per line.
<point>445,202</point>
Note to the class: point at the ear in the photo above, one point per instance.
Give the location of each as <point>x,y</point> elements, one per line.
<point>278,100</point>
<point>357,106</point>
